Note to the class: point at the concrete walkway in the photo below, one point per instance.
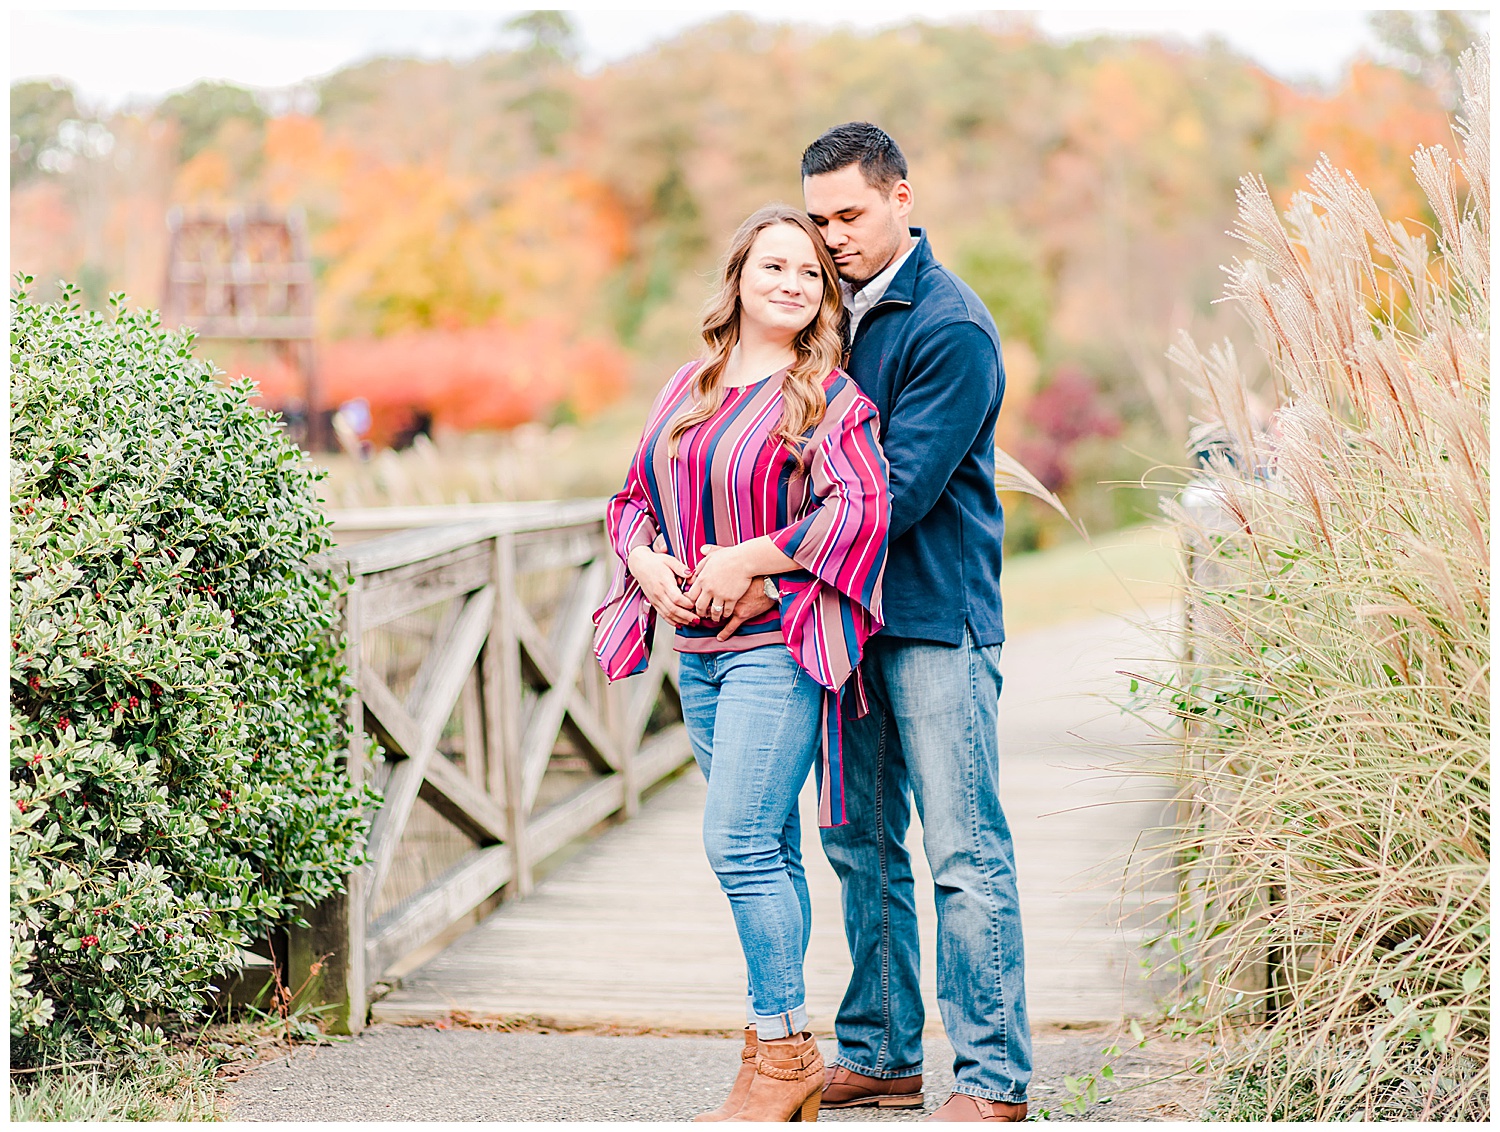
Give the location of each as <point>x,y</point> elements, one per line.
<point>633,934</point>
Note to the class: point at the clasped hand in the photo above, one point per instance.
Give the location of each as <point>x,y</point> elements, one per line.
<point>716,588</point>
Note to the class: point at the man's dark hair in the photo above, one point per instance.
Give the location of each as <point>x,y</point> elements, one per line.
<point>880,158</point>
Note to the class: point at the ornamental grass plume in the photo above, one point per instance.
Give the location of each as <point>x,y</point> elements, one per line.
<point>1333,860</point>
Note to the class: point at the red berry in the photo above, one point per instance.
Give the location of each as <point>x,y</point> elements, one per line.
<point>23,806</point>
<point>89,941</point>
<point>35,683</point>
<point>63,723</point>
<point>135,701</point>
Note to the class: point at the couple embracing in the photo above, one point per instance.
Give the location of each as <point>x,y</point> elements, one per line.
<point>812,509</point>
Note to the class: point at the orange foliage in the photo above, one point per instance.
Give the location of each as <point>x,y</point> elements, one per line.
<point>206,178</point>
<point>486,377</point>
<point>417,246</point>
<point>445,292</point>
<point>42,225</point>
<point>303,167</point>
<point>439,220</point>
<point>1370,126</point>
<point>296,140</point>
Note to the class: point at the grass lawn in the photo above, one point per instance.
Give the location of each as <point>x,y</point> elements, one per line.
<point>177,1089</point>
<point>1123,572</point>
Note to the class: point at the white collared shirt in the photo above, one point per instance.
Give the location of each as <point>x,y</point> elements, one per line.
<point>859,302</point>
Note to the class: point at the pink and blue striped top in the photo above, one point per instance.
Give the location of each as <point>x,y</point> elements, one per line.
<point>734,480</point>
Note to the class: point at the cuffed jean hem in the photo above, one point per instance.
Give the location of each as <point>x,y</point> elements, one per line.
<point>1002,1098</point>
<point>878,1074</point>
<point>774,1027</point>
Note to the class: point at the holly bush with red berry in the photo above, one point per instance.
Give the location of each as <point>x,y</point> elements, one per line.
<point>176,687</point>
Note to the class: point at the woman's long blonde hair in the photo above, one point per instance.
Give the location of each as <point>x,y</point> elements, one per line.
<point>819,346</point>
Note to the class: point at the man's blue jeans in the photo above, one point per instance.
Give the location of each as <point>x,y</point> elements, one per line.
<point>930,736</point>
<point>755,721</point>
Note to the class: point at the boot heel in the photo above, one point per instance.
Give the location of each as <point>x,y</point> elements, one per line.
<point>788,1082</point>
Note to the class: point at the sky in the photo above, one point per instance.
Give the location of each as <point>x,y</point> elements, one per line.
<point>115,55</point>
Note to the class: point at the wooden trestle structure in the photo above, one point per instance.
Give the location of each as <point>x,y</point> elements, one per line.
<point>500,740</point>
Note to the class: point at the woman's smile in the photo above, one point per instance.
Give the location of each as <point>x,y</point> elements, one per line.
<point>782,284</point>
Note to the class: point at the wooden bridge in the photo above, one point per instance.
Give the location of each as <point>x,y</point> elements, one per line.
<point>499,741</point>
<point>503,745</point>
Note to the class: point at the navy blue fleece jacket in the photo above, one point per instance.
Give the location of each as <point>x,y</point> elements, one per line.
<point>928,355</point>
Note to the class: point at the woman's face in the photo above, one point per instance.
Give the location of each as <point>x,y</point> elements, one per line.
<point>781,286</point>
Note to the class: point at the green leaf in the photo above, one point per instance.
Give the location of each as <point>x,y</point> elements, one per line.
<point>139,484</point>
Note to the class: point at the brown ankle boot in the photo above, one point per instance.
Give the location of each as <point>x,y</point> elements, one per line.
<point>788,1082</point>
<point>741,1087</point>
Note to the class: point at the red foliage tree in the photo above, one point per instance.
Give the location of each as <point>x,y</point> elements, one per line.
<point>1068,410</point>
<point>486,377</point>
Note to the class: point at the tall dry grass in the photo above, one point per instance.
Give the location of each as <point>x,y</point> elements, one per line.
<point>1334,855</point>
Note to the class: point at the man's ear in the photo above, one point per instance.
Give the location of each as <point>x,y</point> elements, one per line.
<point>902,199</point>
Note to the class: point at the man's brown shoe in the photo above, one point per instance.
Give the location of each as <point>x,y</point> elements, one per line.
<point>961,1106</point>
<point>844,1088</point>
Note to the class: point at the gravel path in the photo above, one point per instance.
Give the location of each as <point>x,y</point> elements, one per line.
<point>409,1073</point>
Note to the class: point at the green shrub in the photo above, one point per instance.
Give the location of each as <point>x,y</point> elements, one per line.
<point>176,688</point>
<point>1337,754</point>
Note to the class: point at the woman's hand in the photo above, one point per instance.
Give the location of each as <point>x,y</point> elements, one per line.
<point>720,580</point>
<point>659,576</point>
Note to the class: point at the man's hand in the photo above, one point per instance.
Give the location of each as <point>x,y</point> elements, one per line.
<point>659,576</point>
<point>752,603</point>
<point>720,580</point>
<point>748,608</point>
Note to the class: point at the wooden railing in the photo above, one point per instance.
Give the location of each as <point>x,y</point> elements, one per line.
<point>470,645</point>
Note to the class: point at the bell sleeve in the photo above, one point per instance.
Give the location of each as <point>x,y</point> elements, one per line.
<point>828,612</point>
<point>625,623</point>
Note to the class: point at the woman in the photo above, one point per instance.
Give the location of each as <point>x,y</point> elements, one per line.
<point>760,461</point>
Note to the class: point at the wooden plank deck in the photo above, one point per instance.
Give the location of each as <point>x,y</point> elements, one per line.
<point>633,931</point>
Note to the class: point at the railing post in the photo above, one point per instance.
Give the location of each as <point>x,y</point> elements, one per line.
<point>502,711</point>
<point>328,956</point>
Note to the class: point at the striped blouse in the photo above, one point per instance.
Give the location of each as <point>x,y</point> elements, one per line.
<point>734,480</point>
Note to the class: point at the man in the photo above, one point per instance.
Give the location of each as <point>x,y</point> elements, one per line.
<point>925,350</point>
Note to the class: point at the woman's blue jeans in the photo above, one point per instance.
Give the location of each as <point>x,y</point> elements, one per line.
<point>754,719</point>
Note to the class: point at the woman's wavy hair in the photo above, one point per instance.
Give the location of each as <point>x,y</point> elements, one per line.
<point>819,346</point>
